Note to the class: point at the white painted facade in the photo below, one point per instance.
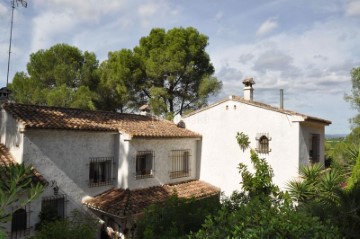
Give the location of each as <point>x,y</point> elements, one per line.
<point>63,157</point>
<point>289,141</point>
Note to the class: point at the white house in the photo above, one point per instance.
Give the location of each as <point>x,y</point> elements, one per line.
<point>285,138</point>
<point>85,155</point>
<point>115,165</point>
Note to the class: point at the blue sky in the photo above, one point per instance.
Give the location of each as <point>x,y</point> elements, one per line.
<point>307,48</point>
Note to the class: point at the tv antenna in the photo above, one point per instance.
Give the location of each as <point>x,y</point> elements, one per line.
<point>14,3</point>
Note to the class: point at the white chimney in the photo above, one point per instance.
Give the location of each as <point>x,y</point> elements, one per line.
<point>248,89</point>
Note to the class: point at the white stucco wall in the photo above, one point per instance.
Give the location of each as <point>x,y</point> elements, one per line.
<point>220,154</point>
<point>162,163</point>
<point>11,135</point>
<point>70,152</point>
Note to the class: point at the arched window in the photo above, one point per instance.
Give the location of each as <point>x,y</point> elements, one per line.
<point>18,222</point>
<point>263,143</point>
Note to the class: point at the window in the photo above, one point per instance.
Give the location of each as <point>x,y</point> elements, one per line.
<point>263,143</point>
<point>315,148</point>
<point>100,171</point>
<point>19,223</point>
<point>180,166</point>
<point>53,208</point>
<point>145,164</point>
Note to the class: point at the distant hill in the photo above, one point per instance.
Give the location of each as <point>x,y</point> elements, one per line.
<point>335,136</point>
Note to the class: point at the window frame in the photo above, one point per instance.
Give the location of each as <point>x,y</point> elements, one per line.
<point>142,159</point>
<point>60,204</point>
<point>263,147</point>
<point>314,152</point>
<point>180,163</point>
<point>100,171</point>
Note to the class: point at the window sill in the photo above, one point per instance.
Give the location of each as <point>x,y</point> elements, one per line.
<point>179,174</point>
<point>100,184</point>
<point>144,176</point>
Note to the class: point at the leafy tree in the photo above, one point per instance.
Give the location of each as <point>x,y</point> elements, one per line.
<point>262,211</point>
<point>354,98</point>
<point>59,76</point>
<point>78,226</point>
<point>170,70</point>
<point>175,218</point>
<point>18,187</point>
<point>119,75</point>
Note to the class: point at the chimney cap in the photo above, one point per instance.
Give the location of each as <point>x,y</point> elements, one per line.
<point>249,81</point>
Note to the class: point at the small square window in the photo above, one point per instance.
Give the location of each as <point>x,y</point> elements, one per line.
<point>145,164</point>
<point>100,171</point>
<point>53,207</point>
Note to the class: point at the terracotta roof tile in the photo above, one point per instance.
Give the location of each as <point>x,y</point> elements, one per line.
<point>45,117</point>
<point>119,202</point>
<point>5,156</point>
<point>264,106</point>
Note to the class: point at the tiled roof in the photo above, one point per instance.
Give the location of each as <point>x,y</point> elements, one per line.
<point>264,106</point>
<point>6,159</point>
<point>5,156</point>
<point>120,202</point>
<point>44,117</point>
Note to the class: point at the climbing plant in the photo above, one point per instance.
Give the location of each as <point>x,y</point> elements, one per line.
<point>243,140</point>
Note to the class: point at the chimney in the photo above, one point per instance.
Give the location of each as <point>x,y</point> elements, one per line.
<point>281,99</point>
<point>4,95</point>
<point>145,109</point>
<point>248,89</point>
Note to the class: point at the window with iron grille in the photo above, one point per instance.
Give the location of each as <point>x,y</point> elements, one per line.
<point>53,208</point>
<point>100,171</point>
<point>19,224</point>
<point>263,143</point>
<point>145,164</point>
<point>180,163</point>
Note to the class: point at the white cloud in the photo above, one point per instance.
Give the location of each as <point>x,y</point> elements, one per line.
<point>353,8</point>
<point>267,26</point>
<point>219,16</point>
<point>51,28</point>
<point>147,10</point>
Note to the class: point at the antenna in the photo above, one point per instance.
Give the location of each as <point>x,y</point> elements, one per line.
<point>24,4</point>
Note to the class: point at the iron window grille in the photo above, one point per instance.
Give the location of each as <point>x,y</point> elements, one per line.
<point>180,163</point>
<point>100,171</point>
<point>145,164</point>
<point>54,206</point>
<point>19,223</point>
<point>263,140</point>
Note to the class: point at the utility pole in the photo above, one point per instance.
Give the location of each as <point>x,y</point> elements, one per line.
<point>24,4</point>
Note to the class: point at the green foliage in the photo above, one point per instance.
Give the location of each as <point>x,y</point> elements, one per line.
<point>78,226</point>
<point>170,70</point>
<point>175,218</point>
<point>18,187</point>
<point>262,211</point>
<point>317,185</point>
<point>59,76</point>
<point>320,194</point>
<point>242,140</point>
<point>355,175</point>
<point>354,98</point>
<point>344,153</point>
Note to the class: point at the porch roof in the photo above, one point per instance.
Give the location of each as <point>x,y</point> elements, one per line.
<point>120,202</point>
